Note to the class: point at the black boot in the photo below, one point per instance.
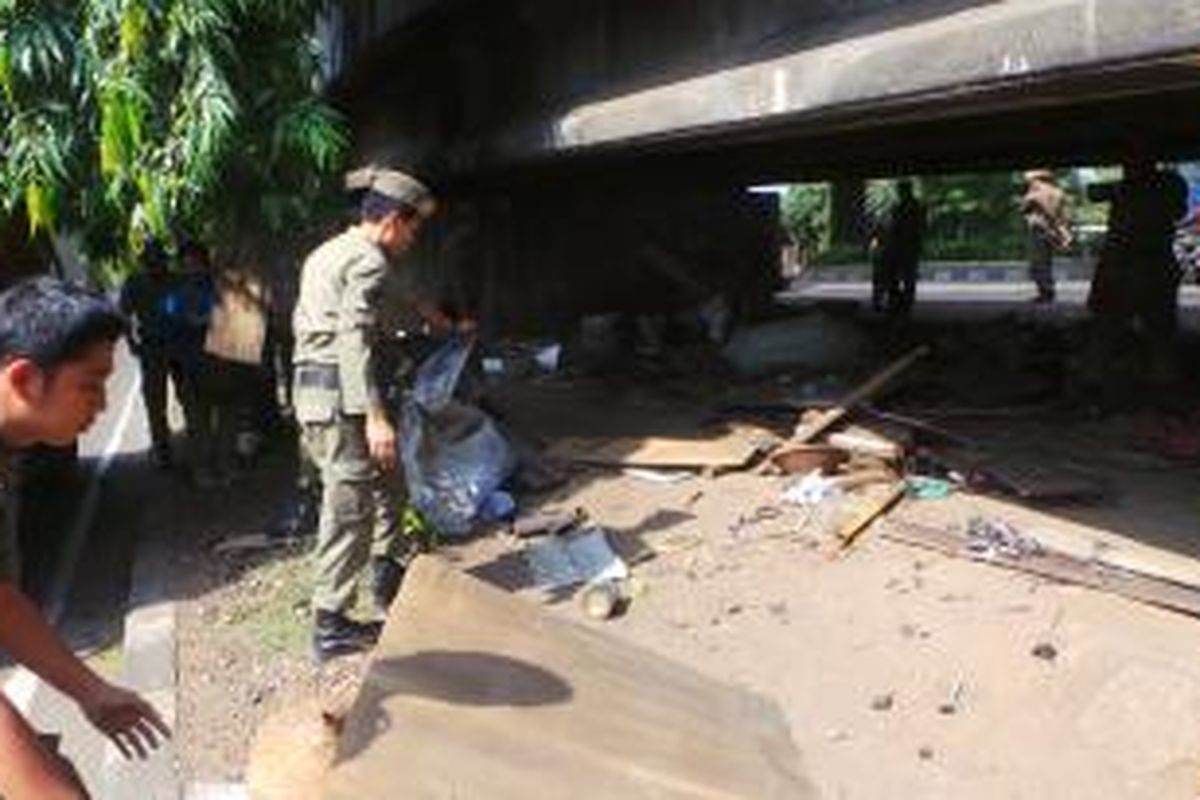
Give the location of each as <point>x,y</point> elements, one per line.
<point>386,576</point>
<point>335,634</point>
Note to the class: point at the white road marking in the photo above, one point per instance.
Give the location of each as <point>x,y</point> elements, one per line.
<point>21,687</point>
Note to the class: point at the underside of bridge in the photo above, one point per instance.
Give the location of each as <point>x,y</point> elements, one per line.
<point>589,145</point>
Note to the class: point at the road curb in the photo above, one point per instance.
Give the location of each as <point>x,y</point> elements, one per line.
<point>150,667</point>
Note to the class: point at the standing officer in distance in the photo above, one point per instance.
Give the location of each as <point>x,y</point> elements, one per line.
<point>346,431</point>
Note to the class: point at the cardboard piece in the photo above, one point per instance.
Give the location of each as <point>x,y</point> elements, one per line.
<point>237,329</point>
<point>473,692</point>
<point>727,450</point>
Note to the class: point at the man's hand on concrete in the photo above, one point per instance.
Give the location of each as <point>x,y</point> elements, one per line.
<point>381,440</point>
<point>129,721</point>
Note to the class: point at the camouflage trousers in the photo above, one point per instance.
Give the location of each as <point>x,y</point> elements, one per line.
<point>360,509</point>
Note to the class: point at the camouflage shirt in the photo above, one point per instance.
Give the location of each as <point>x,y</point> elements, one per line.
<point>336,314</point>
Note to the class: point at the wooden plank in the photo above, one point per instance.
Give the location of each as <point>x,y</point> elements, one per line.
<point>807,431</point>
<point>475,693</point>
<point>875,507</point>
<point>1063,535</point>
<point>728,450</point>
<point>1059,566</point>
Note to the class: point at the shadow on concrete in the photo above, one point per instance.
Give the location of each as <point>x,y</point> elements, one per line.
<point>457,678</point>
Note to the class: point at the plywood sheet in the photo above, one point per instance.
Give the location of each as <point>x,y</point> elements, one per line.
<point>728,449</point>
<point>475,693</point>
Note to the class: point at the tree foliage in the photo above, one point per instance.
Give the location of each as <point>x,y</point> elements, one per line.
<point>122,119</point>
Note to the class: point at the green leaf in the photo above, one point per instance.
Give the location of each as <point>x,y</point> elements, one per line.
<point>39,207</point>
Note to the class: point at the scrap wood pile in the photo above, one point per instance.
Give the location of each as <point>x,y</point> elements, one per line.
<point>864,468</point>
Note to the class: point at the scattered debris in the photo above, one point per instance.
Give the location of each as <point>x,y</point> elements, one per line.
<point>883,702</point>
<point>954,704</point>
<point>584,557</point>
<point>760,515</point>
<point>663,476</point>
<point>862,441</point>
<point>551,522</point>
<point>923,487</point>
<point>811,490</point>
<point>850,530</point>
<point>1005,547</point>
<point>925,753</point>
<point>1045,651</point>
<point>602,599</point>
<point>807,431</point>
<point>730,448</point>
<point>988,540</point>
<point>807,458</point>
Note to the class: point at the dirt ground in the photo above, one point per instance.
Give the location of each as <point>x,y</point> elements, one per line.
<point>902,672</point>
<point>243,621</point>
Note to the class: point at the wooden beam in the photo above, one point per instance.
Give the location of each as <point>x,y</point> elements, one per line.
<point>806,432</point>
<point>1095,574</point>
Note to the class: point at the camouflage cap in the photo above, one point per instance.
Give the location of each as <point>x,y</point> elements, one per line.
<point>394,185</point>
<point>1040,175</point>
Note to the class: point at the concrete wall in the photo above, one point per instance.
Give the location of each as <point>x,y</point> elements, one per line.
<point>466,86</point>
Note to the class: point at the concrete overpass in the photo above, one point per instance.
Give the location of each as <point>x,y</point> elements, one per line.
<point>627,122</point>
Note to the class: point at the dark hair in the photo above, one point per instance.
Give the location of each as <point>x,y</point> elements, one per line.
<point>51,322</point>
<point>374,206</point>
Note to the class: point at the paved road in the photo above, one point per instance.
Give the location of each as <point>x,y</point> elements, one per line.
<point>967,301</point>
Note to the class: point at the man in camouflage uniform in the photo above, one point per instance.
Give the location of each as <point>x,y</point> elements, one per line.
<point>346,430</point>
<point>1045,209</point>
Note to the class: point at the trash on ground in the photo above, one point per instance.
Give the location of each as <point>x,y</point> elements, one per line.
<point>498,506</point>
<point>862,441</point>
<point>1045,651</point>
<point>953,704</point>
<point>867,513</point>
<point>454,455</point>
<point>729,448</point>
<point>811,490</point>
<point>883,702</point>
<point>550,522</point>
<point>584,557</point>
<point>1004,546</point>
<point>807,458</point>
<point>664,476</point>
<point>989,539</point>
<point>602,599</point>
<point>923,487</point>
<point>808,430</point>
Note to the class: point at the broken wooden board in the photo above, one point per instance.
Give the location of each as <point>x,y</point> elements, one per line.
<point>873,507</point>
<point>806,431</point>
<point>475,693</point>
<point>1057,532</point>
<point>1058,566</point>
<point>730,449</point>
